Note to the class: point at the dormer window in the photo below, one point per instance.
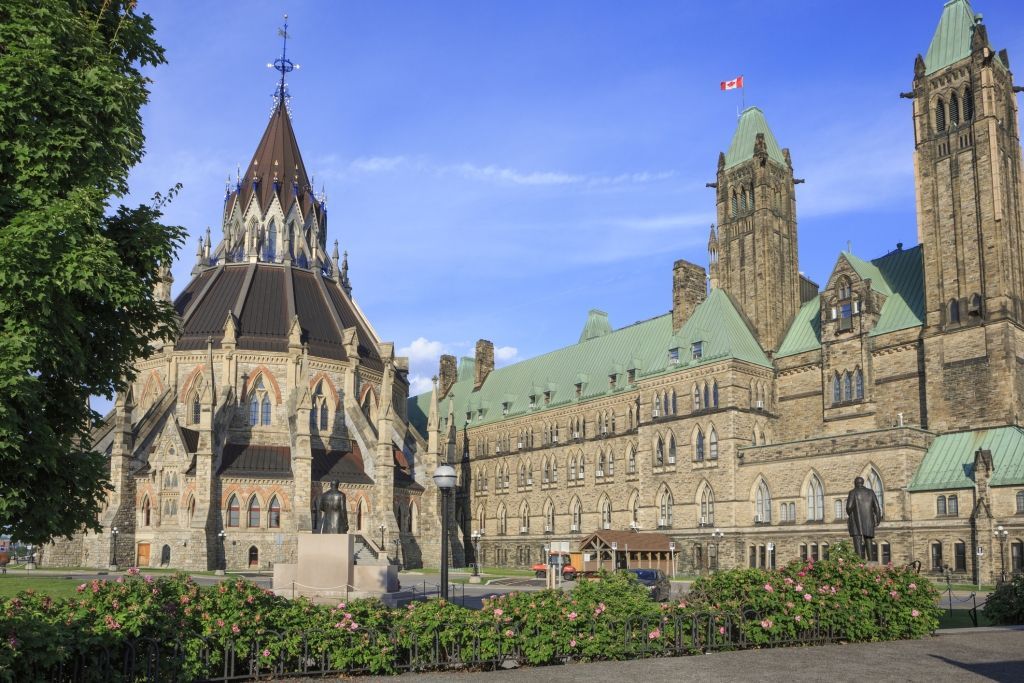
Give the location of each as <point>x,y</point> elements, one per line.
<point>480,413</point>
<point>845,305</point>
<point>611,380</point>
<point>697,350</point>
<point>579,389</point>
<point>673,356</point>
<point>533,400</point>
<point>631,376</point>
<point>547,397</point>
<point>469,416</point>
<point>504,408</point>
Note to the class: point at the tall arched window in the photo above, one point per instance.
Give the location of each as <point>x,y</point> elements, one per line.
<point>858,384</point>
<point>968,104</point>
<point>547,471</point>
<point>837,391</point>
<point>146,510</point>
<point>815,499</point>
<point>254,512</point>
<point>524,518</point>
<point>190,508</point>
<point>196,409</point>
<point>265,410</point>
<point>875,484</point>
<point>940,506</point>
<point>611,464</point>
<point>659,453</point>
<point>634,509</point>
<point>940,116</point>
<point>631,461</point>
<point>707,396</point>
<point>714,394</point>
<point>502,521</point>
<point>954,110</point>
<point>713,445</point>
<point>576,510</point>
<point>233,511</point>
<point>323,416</point>
<point>259,404</point>
<point>698,445</point>
<point>665,505</point>
<point>763,503</point>
<point>707,506</point>
<point>735,203</point>
<point>847,387</point>
<point>954,311</point>
<point>600,465</point>
<point>696,397</point>
<point>549,517</point>
<point>572,469</point>
<point>671,449</point>
<point>674,407</point>
<point>254,411</point>
<point>606,513</point>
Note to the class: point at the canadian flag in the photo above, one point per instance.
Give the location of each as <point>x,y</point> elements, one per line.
<point>733,84</point>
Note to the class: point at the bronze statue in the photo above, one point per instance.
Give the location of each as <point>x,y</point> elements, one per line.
<point>864,514</point>
<point>331,511</point>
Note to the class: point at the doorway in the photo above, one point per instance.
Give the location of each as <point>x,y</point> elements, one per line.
<point>142,556</point>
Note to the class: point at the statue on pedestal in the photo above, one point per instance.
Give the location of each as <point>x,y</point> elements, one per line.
<point>331,512</point>
<point>863,515</point>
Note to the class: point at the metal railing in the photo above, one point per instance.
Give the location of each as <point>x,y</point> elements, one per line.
<point>406,648</point>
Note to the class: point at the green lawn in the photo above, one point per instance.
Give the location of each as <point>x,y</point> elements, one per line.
<point>54,586</point>
<point>960,618</point>
<point>486,572</point>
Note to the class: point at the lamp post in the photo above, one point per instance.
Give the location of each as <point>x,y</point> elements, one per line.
<point>672,556</point>
<point>444,478</point>
<point>113,550</point>
<point>716,538</point>
<point>382,528</point>
<point>476,551</point>
<point>1001,534</point>
<point>223,554</point>
<point>615,555</point>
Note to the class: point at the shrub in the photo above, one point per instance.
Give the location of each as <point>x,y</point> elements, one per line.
<point>1006,603</point>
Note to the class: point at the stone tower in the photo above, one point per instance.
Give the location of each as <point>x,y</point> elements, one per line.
<point>754,255</point>
<point>967,161</point>
<point>967,165</point>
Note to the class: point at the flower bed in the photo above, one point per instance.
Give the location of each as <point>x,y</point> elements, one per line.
<point>113,630</point>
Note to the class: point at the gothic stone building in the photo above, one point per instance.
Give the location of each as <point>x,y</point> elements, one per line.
<point>276,386</point>
<point>737,422</point>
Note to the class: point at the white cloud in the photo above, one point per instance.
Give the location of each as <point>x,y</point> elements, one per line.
<point>419,384</point>
<point>666,221</point>
<point>377,164</point>
<point>503,355</point>
<point>514,177</point>
<point>422,350</point>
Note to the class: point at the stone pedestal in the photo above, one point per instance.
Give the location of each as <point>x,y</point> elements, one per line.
<point>326,572</point>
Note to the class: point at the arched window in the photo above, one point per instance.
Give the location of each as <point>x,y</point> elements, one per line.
<point>874,482</point>
<point>837,391</point>
<point>233,511</point>
<point>254,556</point>
<point>583,467</point>
<point>671,449</point>
<point>815,499</point>
<point>522,475</point>
<point>611,463</point>
<point>274,515</point>
<point>502,521</point>
<point>665,505</point>
<point>576,510</point>
<point>146,509</point>
<point>858,384</point>
<point>952,507</point>
<point>707,396</point>
<point>714,394</point>
<point>838,508</point>
<point>1020,502</point>
<point>265,411</point>
<point>254,411</point>
<point>940,116</point>
<point>968,104</point>
<point>954,311</point>
<point>196,409</point>
<point>600,465</point>
<point>631,467</point>
<point>572,469</point>
<point>659,453</point>
<point>707,507</point>
<point>734,205</point>
<point>713,445</point>
<point>254,512</point>
<point>554,469</point>
<point>743,199</point>
<point>524,519</point>
<point>975,307</point>
<point>847,387</point>
<point>954,110</point>
<point>323,416</point>
<point>549,516</point>
<point>634,509</point>
<point>698,445</point>
<point>546,472</point>
<point>763,504</point>
<point>696,397</point>
<point>674,406</point>
<point>606,513</point>
<point>190,508</point>
<point>940,506</point>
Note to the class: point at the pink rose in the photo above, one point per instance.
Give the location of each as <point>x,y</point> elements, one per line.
<point>807,597</point>
<point>912,586</point>
<point>498,612</point>
<point>572,616</point>
<point>798,618</point>
<point>768,587</point>
<point>798,588</point>
<point>509,633</point>
<point>721,630</point>
<point>266,653</point>
<point>656,633</point>
<point>235,629</point>
<point>572,643</point>
<point>766,623</point>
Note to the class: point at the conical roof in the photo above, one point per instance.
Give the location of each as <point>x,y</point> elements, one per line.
<point>952,39</point>
<point>276,168</point>
<point>741,149</point>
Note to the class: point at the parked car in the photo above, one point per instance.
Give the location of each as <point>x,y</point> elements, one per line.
<point>655,580</point>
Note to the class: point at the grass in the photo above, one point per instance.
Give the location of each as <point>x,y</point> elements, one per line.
<point>54,586</point>
<point>485,572</point>
<point>961,618</point>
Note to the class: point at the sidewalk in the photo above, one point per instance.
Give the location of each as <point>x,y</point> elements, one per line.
<point>977,654</point>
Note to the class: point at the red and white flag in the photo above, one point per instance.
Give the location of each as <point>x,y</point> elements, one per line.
<point>733,84</point>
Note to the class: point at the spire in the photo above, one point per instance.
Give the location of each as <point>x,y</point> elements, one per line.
<point>751,124</point>
<point>345,283</point>
<point>284,65</point>
<point>952,39</point>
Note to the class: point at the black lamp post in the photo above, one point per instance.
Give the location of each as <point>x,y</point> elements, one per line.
<point>382,529</point>
<point>476,552</point>
<point>444,477</point>
<point>113,549</point>
<point>716,539</point>
<point>1001,534</point>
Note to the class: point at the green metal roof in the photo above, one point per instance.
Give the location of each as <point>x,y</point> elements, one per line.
<point>597,325</point>
<point>952,39</point>
<point>899,275</point>
<point>949,462</point>
<point>643,347</point>
<point>741,149</point>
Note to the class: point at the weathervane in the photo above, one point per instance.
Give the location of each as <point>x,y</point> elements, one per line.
<point>283,65</point>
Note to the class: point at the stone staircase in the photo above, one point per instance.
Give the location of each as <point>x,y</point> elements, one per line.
<point>363,552</point>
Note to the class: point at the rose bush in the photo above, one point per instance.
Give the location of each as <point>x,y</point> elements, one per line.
<point>1006,603</point>
<point>194,626</point>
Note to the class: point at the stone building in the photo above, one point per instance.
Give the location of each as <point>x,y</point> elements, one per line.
<point>276,385</point>
<point>736,422</point>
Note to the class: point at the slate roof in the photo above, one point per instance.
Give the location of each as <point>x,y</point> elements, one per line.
<point>899,275</point>
<point>254,460</point>
<point>752,122</point>
<point>949,462</point>
<point>643,347</point>
<point>262,297</point>
<point>345,466</point>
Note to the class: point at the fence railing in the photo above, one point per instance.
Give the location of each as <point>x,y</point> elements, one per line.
<point>405,649</point>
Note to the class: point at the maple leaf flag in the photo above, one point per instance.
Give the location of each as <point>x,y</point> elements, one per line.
<point>733,84</point>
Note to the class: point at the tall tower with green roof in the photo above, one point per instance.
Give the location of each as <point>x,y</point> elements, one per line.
<point>754,255</point>
<point>967,175</point>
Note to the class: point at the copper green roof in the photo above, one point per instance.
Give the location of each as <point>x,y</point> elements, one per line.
<point>597,325</point>
<point>643,347</point>
<point>741,149</point>
<point>899,275</point>
<point>952,39</point>
<point>949,462</point>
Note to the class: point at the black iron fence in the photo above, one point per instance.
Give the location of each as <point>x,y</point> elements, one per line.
<point>403,649</point>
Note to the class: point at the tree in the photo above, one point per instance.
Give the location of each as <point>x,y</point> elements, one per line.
<point>77,275</point>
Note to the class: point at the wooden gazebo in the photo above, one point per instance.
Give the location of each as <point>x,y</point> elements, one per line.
<point>610,550</point>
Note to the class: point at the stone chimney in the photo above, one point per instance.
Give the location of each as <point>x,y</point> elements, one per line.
<point>484,362</point>
<point>689,289</point>
<point>446,376</point>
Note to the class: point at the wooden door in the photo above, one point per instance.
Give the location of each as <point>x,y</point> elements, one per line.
<point>143,555</point>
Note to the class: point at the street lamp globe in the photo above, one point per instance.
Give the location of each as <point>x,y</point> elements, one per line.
<point>444,477</point>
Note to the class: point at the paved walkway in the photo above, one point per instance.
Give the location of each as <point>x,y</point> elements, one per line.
<point>977,654</point>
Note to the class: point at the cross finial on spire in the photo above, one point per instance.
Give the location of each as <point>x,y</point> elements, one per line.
<point>283,65</point>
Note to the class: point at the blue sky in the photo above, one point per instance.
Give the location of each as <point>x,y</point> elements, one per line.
<point>497,169</point>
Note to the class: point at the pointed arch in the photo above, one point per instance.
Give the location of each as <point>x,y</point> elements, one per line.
<point>659,452</point>
<point>332,391</point>
<point>152,389</point>
<point>146,508</point>
<point>762,502</point>
<point>968,108</point>
<point>714,394</point>
<point>611,463</point>
<point>604,509</point>
<point>274,513</point>
<point>712,443</point>
<point>706,398</point>
<point>814,494</point>
<point>696,398</point>
<point>601,463</point>
<point>576,513</point>
<point>954,109</point>
<point>634,508</point>
<point>268,377</point>
<point>671,448</point>
<point>698,444</point>
<point>873,480</point>
<point>706,501</point>
<point>233,511</point>
<point>253,512</point>
<point>630,459</point>
<point>524,517</point>
<point>940,115</point>
<point>665,504</point>
<point>502,516</point>
<point>481,518</point>
<point>858,383</point>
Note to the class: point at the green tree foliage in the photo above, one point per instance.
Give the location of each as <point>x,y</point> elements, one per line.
<point>76,272</point>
